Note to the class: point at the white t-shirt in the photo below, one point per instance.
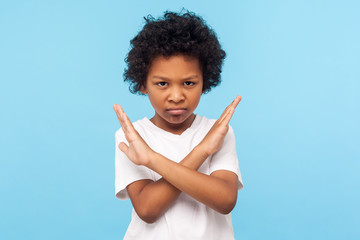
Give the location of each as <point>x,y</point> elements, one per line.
<point>186,218</point>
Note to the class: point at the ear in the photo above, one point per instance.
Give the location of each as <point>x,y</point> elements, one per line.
<point>143,90</point>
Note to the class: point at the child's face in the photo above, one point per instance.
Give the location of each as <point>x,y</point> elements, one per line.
<point>174,86</point>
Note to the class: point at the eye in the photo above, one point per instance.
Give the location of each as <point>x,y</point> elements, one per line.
<point>161,84</point>
<point>188,83</point>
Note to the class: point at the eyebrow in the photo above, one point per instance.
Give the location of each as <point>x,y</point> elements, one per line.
<point>167,79</point>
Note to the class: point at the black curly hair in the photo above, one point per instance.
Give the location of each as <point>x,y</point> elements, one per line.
<point>172,34</point>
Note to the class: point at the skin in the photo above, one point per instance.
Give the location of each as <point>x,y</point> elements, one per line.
<point>174,87</point>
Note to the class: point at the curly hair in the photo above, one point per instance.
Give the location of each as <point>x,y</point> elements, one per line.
<point>172,34</point>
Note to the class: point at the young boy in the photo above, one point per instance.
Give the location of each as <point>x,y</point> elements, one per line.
<point>180,170</point>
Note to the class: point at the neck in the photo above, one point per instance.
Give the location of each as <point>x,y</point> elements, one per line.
<point>174,128</point>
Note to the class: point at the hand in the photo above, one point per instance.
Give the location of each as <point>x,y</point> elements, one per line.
<point>137,151</point>
<point>214,139</point>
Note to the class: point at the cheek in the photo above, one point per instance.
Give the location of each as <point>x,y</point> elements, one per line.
<point>154,99</point>
<point>196,99</point>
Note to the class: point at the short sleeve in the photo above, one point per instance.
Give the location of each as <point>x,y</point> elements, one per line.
<point>226,158</point>
<point>126,171</point>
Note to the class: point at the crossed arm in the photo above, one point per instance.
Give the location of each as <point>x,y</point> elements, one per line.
<point>151,199</point>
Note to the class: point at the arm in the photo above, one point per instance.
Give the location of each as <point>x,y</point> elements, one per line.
<point>217,191</point>
<point>151,199</point>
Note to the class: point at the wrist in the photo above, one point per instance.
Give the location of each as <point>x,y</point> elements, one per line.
<point>152,158</point>
<point>202,150</point>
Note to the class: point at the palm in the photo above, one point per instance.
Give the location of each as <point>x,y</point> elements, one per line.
<point>214,139</point>
<point>137,150</point>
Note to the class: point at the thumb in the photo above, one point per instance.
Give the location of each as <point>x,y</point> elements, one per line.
<point>123,147</point>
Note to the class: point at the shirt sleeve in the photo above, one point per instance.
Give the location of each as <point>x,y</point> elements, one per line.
<point>226,158</point>
<point>126,171</point>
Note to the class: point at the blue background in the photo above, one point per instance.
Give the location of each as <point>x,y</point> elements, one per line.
<point>295,63</point>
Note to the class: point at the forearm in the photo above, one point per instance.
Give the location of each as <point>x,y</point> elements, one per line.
<point>210,190</point>
<point>156,197</point>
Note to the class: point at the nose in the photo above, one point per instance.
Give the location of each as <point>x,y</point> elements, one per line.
<point>176,94</point>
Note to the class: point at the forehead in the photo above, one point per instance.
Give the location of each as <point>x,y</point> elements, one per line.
<point>175,66</point>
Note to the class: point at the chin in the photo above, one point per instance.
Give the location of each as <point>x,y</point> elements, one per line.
<point>177,119</point>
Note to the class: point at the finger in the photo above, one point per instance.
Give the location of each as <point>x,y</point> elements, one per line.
<point>227,109</point>
<point>226,112</point>
<point>234,104</point>
<point>126,120</point>
<point>123,147</point>
<point>226,116</point>
<point>236,101</point>
<point>117,110</point>
<point>122,117</point>
<point>126,124</point>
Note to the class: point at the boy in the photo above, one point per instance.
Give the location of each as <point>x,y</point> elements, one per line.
<point>180,170</point>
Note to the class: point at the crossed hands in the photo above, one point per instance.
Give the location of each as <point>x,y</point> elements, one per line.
<point>141,154</point>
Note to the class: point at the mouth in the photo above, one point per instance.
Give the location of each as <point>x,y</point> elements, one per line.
<point>176,111</point>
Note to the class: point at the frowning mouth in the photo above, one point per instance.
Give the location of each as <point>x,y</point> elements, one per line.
<point>176,111</point>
